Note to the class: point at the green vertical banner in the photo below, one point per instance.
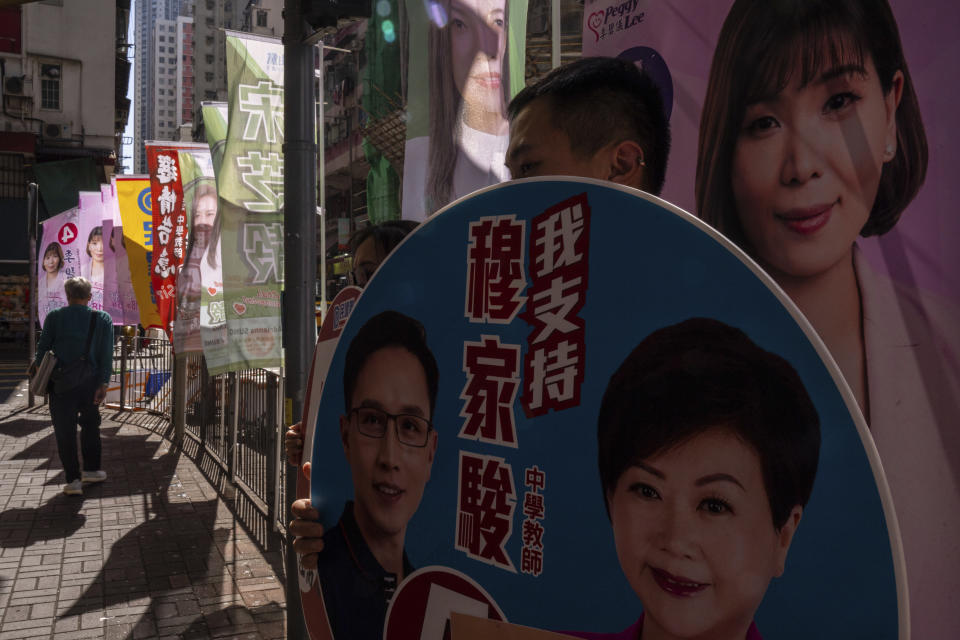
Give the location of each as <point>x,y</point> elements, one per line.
<point>250,187</point>
<point>213,320</point>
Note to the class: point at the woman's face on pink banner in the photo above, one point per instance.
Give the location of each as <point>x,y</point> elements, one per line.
<point>95,248</point>
<point>478,39</point>
<point>51,261</point>
<point>807,163</point>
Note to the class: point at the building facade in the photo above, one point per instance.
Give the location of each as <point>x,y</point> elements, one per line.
<point>154,79</point>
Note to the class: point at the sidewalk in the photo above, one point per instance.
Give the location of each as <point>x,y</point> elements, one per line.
<point>152,552</point>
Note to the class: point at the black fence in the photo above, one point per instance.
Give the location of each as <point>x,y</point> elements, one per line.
<point>235,418</point>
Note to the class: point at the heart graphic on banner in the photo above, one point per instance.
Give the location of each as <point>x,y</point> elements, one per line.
<point>594,22</point>
<point>212,291</point>
<point>240,308</point>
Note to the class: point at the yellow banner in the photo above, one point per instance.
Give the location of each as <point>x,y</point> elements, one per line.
<point>133,194</point>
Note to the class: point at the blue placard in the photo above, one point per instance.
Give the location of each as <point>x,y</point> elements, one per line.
<point>605,267</point>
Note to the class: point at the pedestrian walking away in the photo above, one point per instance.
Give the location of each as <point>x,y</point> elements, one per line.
<point>82,339</point>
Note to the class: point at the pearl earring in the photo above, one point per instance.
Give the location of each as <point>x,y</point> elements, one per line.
<point>890,150</point>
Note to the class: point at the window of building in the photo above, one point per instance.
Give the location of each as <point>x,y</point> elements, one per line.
<point>162,38</point>
<point>210,59</point>
<point>50,86</point>
<point>261,18</point>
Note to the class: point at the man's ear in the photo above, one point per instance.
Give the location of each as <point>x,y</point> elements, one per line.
<point>785,537</point>
<point>627,164</point>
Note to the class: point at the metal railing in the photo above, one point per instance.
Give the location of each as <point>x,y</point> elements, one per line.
<point>235,418</point>
<point>142,375</point>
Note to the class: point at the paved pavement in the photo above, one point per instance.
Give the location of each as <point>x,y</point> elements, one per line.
<point>153,552</point>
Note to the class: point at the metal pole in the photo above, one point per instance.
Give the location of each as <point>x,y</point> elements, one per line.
<point>32,222</point>
<point>555,34</point>
<point>300,251</point>
<point>124,349</point>
<point>322,178</point>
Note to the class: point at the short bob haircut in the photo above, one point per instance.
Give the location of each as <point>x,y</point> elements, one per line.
<point>55,249</point>
<point>77,288</point>
<point>446,102</point>
<point>96,232</point>
<point>610,91</point>
<point>702,374</point>
<point>389,329</point>
<point>761,45</point>
<point>386,235</point>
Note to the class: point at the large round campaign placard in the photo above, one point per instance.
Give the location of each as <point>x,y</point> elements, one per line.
<point>519,511</point>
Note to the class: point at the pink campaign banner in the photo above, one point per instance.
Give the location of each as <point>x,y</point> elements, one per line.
<point>59,261</point>
<point>92,265</point>
<point>826,151</point>
<point>111,294</point>
<point>126,298</point>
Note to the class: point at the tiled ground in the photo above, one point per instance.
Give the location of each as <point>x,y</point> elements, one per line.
<point>152,552</point>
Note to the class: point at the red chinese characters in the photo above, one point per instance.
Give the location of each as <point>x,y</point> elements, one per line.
<point>487,499</point>
<point>492,382</point>
<point>554,363</point>
<point>495,276</point>
<point>531,556</point>
<point>169,227</point>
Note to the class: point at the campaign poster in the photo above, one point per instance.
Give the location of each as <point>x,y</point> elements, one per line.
<point>134,202</point>
<point>90,230</point>
<point>111,292</point>
<point>126,300</point>
<point>169,227</point>
<point>250,187</point>
<point>201,206</point>
<point>465,61</point>
<point>213,320</point>
<point>519,436</point>
<point>854,170</point>
<point>59,261</point>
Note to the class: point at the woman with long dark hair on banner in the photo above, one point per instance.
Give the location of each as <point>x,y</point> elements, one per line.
<point>811,135</point>
<point>469,84</point>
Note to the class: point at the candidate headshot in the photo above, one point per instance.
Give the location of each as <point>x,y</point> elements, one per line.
<point>707,449</point>
<point>468,81</point>
<point>390,382</point>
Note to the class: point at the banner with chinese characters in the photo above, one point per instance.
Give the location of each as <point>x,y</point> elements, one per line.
<point>250,186</point>
<point>559,442</point>
<point>867,201</point>
<point>136,214</point>
<point>200,204</point>
<point>170,224</point>
<point>465,61</point>
<point>213,321</point>
<point>59,261</point>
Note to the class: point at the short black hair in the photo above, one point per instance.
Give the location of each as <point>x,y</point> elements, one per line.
<point>389,329</point>
<point>702,374</point>
<point>386,235</point>
<point>610,91</point>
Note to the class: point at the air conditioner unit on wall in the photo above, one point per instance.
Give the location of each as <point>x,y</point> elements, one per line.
<point>56,131</point>
<point>13,86</point>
